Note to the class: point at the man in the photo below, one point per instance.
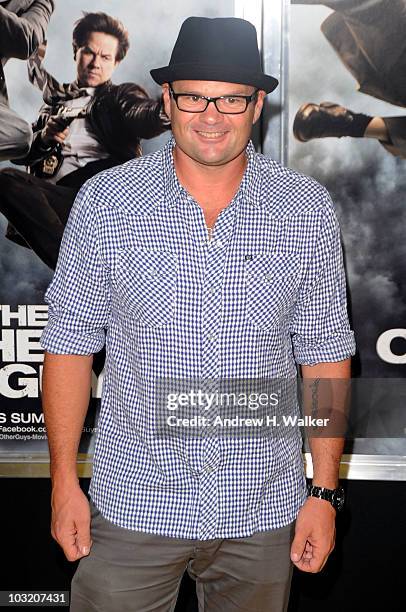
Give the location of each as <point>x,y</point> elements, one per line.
<point>368,36</point>
<point>83,127</point>
<point>22,29</point>
<point>204,262</point>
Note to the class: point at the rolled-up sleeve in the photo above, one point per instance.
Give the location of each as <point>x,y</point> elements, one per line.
<point>78,297</point>
<point>320,327</point>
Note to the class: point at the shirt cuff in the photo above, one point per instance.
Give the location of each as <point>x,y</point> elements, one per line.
<point>335,348</point>
<point>62,341</point>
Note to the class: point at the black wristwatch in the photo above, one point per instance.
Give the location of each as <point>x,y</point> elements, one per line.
<point>334,496</point>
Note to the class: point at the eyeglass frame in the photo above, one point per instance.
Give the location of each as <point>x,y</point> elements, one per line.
<point>208,99</point>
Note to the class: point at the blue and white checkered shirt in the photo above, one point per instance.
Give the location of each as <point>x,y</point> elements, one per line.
<point>136,271</point>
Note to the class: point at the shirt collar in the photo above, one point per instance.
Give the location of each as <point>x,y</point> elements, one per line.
<point>250,188</point>
<point>173,190</point>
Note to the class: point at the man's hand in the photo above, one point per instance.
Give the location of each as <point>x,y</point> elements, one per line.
<point>41,50</point>
<point>70,525</point>
<point>314,535</point>
<point>54,131</point>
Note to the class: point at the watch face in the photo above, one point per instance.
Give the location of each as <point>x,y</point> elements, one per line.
<point>338,499</point>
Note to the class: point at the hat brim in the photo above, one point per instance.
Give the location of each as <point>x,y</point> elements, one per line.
<point>228,74</point>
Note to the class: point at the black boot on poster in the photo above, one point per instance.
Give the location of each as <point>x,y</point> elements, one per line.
<point>328,119</point>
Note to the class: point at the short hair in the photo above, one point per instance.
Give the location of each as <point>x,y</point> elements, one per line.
<point>100,22</point>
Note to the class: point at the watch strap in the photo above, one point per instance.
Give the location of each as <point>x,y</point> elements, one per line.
<point>334,496</point>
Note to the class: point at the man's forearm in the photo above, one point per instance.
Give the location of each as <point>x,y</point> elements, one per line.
<point>327,451</point>
<point>65,398</point>
<point>326,455</point>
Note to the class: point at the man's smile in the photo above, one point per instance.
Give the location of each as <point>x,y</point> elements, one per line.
<point>211,135</point>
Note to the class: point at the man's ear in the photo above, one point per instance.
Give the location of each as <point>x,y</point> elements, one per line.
<point>258,105</point>
<point>166,99</point>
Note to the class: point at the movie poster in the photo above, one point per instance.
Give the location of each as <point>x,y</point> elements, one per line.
<point>346,53</point>
<point>152,28</point>
<point>347,128</point>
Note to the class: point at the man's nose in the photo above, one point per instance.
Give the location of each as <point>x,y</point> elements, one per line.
<point>95,61</point>
<point>211,114</point>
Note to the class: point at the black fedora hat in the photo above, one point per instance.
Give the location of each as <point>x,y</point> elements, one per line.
<point>219,49</point>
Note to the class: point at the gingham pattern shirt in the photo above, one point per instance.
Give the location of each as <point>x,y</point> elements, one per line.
<point>136,271</point>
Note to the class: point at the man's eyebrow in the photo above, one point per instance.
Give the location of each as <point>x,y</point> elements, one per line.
<point>89,48</point>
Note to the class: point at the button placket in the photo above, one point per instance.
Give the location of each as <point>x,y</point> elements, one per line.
<point>211,312</point>
<point>212,290</point>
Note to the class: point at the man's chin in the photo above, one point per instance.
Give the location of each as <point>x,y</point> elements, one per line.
<point>91,82</point>
<point>218,158</point>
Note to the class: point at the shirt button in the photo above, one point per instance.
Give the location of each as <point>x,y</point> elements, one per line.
<point>212,337</point>
<point>209,469</point>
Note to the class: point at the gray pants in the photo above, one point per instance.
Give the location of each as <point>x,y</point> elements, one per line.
<point>140,572</point>
<point>15,134</point>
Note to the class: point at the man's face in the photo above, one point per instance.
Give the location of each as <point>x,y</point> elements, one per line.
<point>95,62</point>
<point>212,138</point>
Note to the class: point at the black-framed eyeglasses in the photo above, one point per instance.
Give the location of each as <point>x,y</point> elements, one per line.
<point>227,105</point>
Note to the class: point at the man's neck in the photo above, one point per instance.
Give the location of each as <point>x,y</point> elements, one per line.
<point>93,87</point>
<point>213,187</point>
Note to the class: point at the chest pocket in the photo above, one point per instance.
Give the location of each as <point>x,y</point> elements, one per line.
<point>146,284</point>
<point>272,281</point>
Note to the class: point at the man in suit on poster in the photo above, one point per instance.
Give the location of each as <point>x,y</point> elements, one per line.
<point>23,25</point>
<point>203,263</point>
